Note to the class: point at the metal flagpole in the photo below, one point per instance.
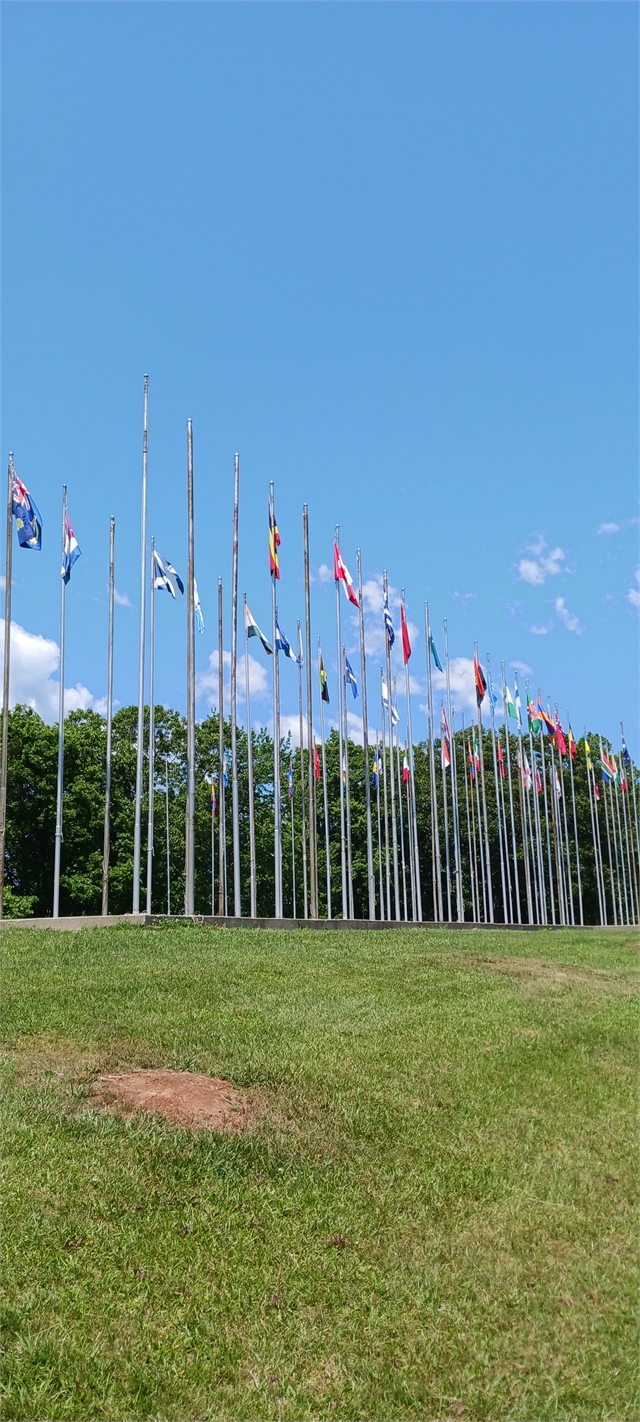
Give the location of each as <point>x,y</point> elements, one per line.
<point>542,893</point>
<point>505,828</point>
<point>222,848</point>
<point>445,814</point>
<point>293,838</point>
<point>457,849</point>
<point>166,803</point>
<point>497,788</point>
<point>343,844</point>
<point>575,821</point>
<point>402,859</point>
<point>347,786</point>
<point>385,798</point>
<point>303,828</point>
<point>412,814</point>
<point>313,812</point>
<point>566,839</point>
<point>152,730</point>
<point>235,807</point>
<point>523,817</point>
<point>189,865</point>
<point>546,823</point>
<point>599,844</point>
<point>619,874</point>
<point>466,797</point>
<point>556,830</point>
<point>483,876</point>
<point>58,840</point>
<point>371,881</point>
<point>507,739</point>
<point>212,808</point>
<point>484,807</point>
<point>394,829</point>
<point>252,809</point>
<point>380,866</point>
<point>143,605</point>
<point>611,874</point>
<point>277,788</point>
<point>5,681</point>
<point>635,806</point>
<point>106,841</point>
<point>631,866</point>
<point>595,831</point>
<point>325,791</point>
<point>616,799</point>
<point>412,863</point>
<point>436,867</point>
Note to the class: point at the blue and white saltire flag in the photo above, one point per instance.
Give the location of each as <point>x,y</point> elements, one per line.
<point>70,550</point>
<point>385,701</point>
<point>225,777</point>
<point>519,709</point>
<point>27,517</point>
<point>165,576</point>
<point>350,677</point>
<point>388,623</point>
<point>493,695</point>
<point>283,646</point>
<point>197,608</point>
<point>290,782</point>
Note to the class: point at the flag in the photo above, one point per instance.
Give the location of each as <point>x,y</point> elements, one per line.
<point>544,716</point>
<point>492,693</point>
<point>254,631</point>
<point>560,740</point>
<point>406,645</point>
<point>27,517</point>
<point>342,575</point>
<point>344,771</point>
<point>511,709</point>
<point>476,752</point>
<point>573,749</point>
<point>472,768</point>
<point>274,544</point>
<point>283,646</point>
<point>481,685</point>
<point>595,786</point>
<point>213,803</point>
<point>290,782</point>
<point>525,771</point>
<point>350,677</point>
<point>446,757</point>
<point>626,758</point>
<point>324,685</point>
<point>535,724</point>
<point>377,769</point>
<point>558,787</point>
<point>388,624</point>
<point>405,770</point>
<point>587,750</point>
<point>538,781</point>
<point>70,550</point>
<point>165,576</point>
<point>385,701</point>
<point>501,760</point>
<point>434,652</point>
<point>316,763</point>
<point>225,777</point>
<point>518,709</point>
<point>197,608</point>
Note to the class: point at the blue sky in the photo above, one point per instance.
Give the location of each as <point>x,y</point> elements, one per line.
<point>389,254</point>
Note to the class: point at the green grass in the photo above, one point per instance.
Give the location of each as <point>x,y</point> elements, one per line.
<point>434,1215</point>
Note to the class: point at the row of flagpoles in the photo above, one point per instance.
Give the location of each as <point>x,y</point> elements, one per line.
<point>535,777</point>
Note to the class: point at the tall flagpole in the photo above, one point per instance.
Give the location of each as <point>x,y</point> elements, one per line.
<point>474,915</point>
<point>631,865</point>
<point>400,819</point>
<point>371,881</point>
<point>546,823</point>
<point>483,877</point>
<point>293,842</point>
<point>191,693</point>
<point>222,830</point>
<point>325,791</point>
<point>599,879</point>
<point>347,785</point>
<point>484,809</point>
<point>492,719</point>
<point>394,830</point>
<point>635,807</point>
<point>385,798</point>
<point>152,730</point>
<point>566,837</point>
<point>5,681</point>
<point>575,822</point>
<point>412,814</point>
<point>436,867</point>
<point>313,811</point>
<point>303,827</point>
<point>523,815</point>
<point>343,841</point>
<point>445,815</point>
<point>252,809</point>
<point>380,865</point>
<point>616,800</point>
<point>166,807</point>
<point>235,808</point>
<point>106,841</point>
<point>454,783</point>
<point>557,840</point>
<point>277,789</point>
<point>143,606</point>
<point>58,841</point>
<point>507,739</point>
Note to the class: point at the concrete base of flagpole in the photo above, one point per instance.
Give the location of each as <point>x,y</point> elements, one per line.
<point>78,922</point>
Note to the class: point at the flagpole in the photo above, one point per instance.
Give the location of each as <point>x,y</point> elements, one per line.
<point>277,796</point>
<point>474,915</point>
<point>106,838</point>
<point>505,828</point>
<point>523,814</point>
<point>313,811</point>
<point>293,839</point>
<point>600,853</point>
<point>235,808</point>
<point>58,839</point>
<point>400,820</point>
<point>635,806</point>
<point>152,730</point>
<point>143,605</point>
<point>557,840</point>
<point>380,865</point>
<point>454,783</point>
<point>343,844</point>
<point>542,892</point>
<point>616,799</point>
<point>222,855</point>
<point>497,789</point>
<point>303,827</point>
<point>166,801</point>
<point>436,867</point>
<point>5,680</point>
<point>325,792</point>
<point>483,876</point>
<point>371,880</point>
<point>631,867</point>
<point>413,816</point>
<point>595,830</point>
<point>575,822</point>
<point>507,739</point>
<point>484,806</point>
<point>212,811</point>
<point>619,876</point>
<point>191,693</point>
<point>445,815</point>
<point>394,829</point>
<point>252,808</point>
<point>412,865</point>
<point>571,905</point>
<point>347,786</point>
<point>546,823</point>
<point>611,873</point>
<point>386,800</point>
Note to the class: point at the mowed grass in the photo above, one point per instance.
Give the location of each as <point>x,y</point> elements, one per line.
<point>432,1216</point>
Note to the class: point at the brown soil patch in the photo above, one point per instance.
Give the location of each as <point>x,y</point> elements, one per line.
<point>184,1097</point>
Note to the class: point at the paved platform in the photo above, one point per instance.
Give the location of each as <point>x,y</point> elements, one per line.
<point>158,920</point>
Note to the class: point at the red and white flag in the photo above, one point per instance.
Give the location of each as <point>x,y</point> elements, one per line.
<point>405,770</point>
<point>342,575</point>
<point>316,762</point>
<point>406,645</point>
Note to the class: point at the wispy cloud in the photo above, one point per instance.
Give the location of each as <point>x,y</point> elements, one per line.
<point>633,595</point>
<point>207,682</point>
<point>540,629</point>
<point>567,618</point>
<point>607,529</point>
<point>543,564</point>
<point>121,599</point>
<point>463,598</point>
<point>522,667</point>
<point>324,573</point>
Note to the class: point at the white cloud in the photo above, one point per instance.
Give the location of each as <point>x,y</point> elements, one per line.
<point>121,599</point>
<point>540,629</point>
<point>324,573</point>
<point>522,667</point>
<point>608,528</point>
<point>259,680</point>
<point>463,598</point>
<point>543,564</point>
<point>462,682</point>
<point>633,594</point>
<point>34,661</point>
<point>568,619</point>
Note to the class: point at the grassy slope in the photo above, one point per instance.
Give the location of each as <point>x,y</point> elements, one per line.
<point>459,1110</point>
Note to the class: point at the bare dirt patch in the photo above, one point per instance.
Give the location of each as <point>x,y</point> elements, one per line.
<point>183,1097</point>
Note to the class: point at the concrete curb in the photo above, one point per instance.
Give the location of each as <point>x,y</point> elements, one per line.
<point>157,920</point>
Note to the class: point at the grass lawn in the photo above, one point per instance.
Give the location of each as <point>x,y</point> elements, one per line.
<point>432,1216</point>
